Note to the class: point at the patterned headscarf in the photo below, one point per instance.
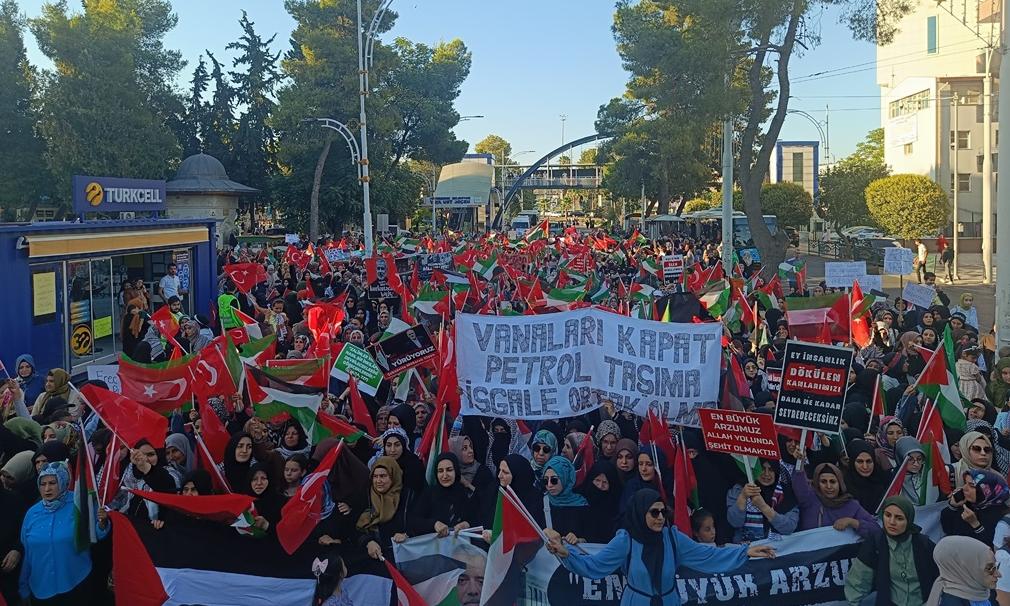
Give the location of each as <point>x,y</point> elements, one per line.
<point>62,474</point>
<point>990,488</point>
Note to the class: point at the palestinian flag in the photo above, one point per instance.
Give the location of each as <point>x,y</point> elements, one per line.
<point>540,232</point>
<point>434,442</point>
<point>335,427</point>
<point>635,238</point>
<point>258,351</point>
<point>272,396</point>
<point>563,297</point>
<point>485,267</point>
<point>794,269</point>
<point>807,317</point>
<point>650,266</point>
<point>743,463</point>
<point>197,564</point>
<point>407,245</point>
<point>428,298</point>
<point>619,257</point>
<point>601,294</point>
<point>935,478</point>
<point>642,293</point>
<point>85,499</point>
<point>161,386</point>
<point>433,566</point>
<point>938,384</point>
<point>717,302</point>
<point>396,326</point>
<point>313,372</point>
<point>879,407</point>
<point>515,540</point>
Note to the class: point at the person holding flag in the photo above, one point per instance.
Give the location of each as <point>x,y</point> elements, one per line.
<point>648,552</point>
<point>763,509</point>
<point>54,571</point>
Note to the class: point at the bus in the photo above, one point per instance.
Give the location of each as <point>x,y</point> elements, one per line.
<point>708,224</point>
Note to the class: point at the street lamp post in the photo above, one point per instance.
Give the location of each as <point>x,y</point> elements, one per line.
<point>352,144</point>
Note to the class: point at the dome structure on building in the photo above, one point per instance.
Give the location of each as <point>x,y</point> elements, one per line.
<point>204,174</point>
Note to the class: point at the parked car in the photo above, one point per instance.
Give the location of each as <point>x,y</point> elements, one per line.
<point>871,250</point>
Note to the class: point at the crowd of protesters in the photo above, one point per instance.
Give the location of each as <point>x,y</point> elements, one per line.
<point>381,495</point>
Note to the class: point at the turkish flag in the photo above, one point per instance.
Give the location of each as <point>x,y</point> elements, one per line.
<point>298,258</point>
<point>246,275</point>
<point>211,375</point>
<point>303,511</point>
<point>165,322</point>
<point>126,418</point>
<point>163,386</point>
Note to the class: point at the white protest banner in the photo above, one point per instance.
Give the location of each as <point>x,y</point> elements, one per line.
<point>291,239</point>
<point>108,373</point>
<point>840,274</point>
<point>871,282</point>
<point>918,294</point>
<point>566,364</point>
<point>898,261</point>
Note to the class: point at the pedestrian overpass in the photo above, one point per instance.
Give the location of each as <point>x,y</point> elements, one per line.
<point>549,176</point>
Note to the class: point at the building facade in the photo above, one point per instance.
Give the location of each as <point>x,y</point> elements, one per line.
<point>932,79</point>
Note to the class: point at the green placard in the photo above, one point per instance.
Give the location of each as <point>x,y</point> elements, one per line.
<point>355,360</point>
<point>103,327</point>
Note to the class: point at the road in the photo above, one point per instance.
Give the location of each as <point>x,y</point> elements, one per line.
<point>969,272</point>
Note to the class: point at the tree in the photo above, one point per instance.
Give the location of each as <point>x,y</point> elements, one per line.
<point>23,176</point>
<point>697,204</point>
<point>702,60</point>
<point>843,186</point>
<point>219,136</point>
<point>908,206</point>
<point>564,160</point>
<point>588,156</point>
<point>196,122</point>
<point>116,47</point>
<point>255,143</point>
<point>412,89</point>
<point>789,202</point>
<point>499,148</point>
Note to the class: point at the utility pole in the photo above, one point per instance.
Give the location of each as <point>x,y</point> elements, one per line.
<point>727,191</point>
<point>986,170</point>
<point>1003,199</point>
<point>957,180</point>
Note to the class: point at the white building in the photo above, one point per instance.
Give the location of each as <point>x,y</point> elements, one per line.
<point>931,80</point>
<point>797,162</point>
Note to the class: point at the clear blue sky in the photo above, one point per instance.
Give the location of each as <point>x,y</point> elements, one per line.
<point>535,60</point>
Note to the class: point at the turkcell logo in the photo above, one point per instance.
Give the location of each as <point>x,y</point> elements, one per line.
<point>114,194</point>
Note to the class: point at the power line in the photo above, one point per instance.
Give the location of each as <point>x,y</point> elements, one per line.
<point>865,69</point>
<point>875,63</point>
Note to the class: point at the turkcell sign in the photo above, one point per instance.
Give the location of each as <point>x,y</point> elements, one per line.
<point>112,194</point>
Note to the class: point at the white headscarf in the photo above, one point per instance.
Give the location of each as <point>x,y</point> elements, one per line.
<point>962,562</point>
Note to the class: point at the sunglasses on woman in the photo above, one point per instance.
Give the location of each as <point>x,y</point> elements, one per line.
<point>982,449</point>
<point>542,448</point>
<point>657,512</point>
<point>553,480</point>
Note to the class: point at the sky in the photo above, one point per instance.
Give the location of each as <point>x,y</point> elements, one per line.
<point>535,61</point>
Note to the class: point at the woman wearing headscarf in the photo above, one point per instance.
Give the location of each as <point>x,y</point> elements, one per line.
<point>966,307</point>
<point>763,509</point>
<point>405,417</point>
<point>394,446</point>
<point>866,481</point>
<point>910,342</point>
<point>998,389</point>
<point>897,563</point>
<point>602,490</point>
<point>608,434</point>
<point>293,441</point>
<point>268,501</point>
<point>147,471</point>
<point>444,506</point>
<point>53,571</point>
<point>651,465</point>
<point>238,458</point>
<point>916,485</point>
<point>179,455</point>
<point>648,552</point>
<point>479,482</point>
<point>976,453</point>
<point>515,471</point>
<point>887,436</point>
<point>19,434</point>
<point>626,460</point>
<point>975,509</point>
<point>1001,456</point>
<point>570,445</point>
<point>930,338</point>
<point>567,511</point>
<point>544,446</point>
<point>385,518</point>
<point>28,378</point>
<point>967,573</point>
<point>57,386</point>
<point>828,503</point>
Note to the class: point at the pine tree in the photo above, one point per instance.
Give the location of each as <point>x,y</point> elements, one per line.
<point>255,143</point>
<point>196,111</point>
<point>219,134</point>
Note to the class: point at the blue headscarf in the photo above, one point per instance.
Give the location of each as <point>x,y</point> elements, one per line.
<point>61,472</point>
<point>542,437</point>
<point>566,473</point>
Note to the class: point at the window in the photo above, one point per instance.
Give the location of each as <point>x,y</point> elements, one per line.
<point>932,44</point>
<point>963,139</point>
<point>963,182</point>
<point>979,161</point>
<point>797,167</point>
<point>910,104</point>
<point>908,149</point>
<point>995,162</point>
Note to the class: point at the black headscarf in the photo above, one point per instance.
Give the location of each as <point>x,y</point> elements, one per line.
<point>602,505</point>
<point>868,491</point>
<point>407,417</point>
<point>201,481</point>
<point>236,473</point>
<point>652,541</point>
<point>523,483</point>
<point>448,504</point>
<point>500,441</point>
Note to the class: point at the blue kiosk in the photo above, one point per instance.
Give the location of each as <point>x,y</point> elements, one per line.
<point>65,279</point>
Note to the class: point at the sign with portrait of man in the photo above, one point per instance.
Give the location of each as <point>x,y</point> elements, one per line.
<point>404,350</point>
